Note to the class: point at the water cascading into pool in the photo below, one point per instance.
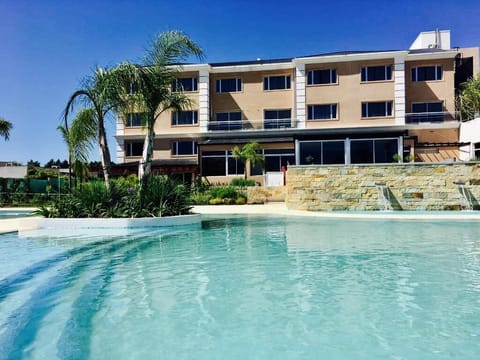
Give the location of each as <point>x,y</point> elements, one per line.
<point>384,197</point>
<point>466,194</point>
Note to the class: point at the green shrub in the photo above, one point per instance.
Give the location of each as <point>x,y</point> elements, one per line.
<point>223,192</point>
<point>160,197</point>
<point>241,200</point>
<point>242,182</point>
<point>216,201</point>
<point>200,198</point>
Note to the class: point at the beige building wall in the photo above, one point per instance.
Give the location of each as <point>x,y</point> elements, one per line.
<point>252,100</point>
<point>429,91</point>
<point>348,93</point>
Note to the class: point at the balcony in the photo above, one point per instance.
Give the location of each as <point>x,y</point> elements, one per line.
<point>431,117</point>
<point>252,125</point>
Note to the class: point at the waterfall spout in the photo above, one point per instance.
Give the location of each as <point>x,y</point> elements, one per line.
<point>384,196</point>
<point>466,194</point>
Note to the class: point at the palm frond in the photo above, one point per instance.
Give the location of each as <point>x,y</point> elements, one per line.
<point>5,127</point>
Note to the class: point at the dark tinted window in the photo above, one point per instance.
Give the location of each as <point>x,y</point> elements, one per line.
<point>376,73</point>
<point>377,109</point>
<point>328,76</point>
<point>185,84</point>
<point>184,118</point>
<point>276,82</point>
<point>319,112</point>
<point>228,85</point>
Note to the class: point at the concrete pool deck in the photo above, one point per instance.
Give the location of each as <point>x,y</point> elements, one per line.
<point>279,209</point>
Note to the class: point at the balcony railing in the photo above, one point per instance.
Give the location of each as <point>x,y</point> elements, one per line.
<point>431,117</point>
<point>249,125</point>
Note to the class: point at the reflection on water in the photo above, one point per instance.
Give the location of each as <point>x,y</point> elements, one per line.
<point>245,287</point>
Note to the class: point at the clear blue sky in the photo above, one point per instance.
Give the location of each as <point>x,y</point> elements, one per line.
<point>48,46</point>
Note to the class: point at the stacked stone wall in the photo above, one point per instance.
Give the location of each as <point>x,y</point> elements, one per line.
<point>412,186</point>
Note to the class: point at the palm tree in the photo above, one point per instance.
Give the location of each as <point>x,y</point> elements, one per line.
<point>5,127</point>
<point>152,82</point>
<point>101,93</point>
<point>469,98</point>
<point>79,139</point>
<point>250,154</point>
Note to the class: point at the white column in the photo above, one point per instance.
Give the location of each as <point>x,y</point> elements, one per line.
<point>297,152</point>
<point>399,89</point>
<point>300,95</point>
<point>347,151</point>
<point>120,149</point>
<point>203,99</point>
<point>400,147</point>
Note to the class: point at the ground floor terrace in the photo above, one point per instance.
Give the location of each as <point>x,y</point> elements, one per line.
<point>212,157</point>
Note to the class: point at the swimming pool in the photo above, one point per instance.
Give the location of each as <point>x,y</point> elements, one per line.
<point>9,214</point>
<point>246,287</point>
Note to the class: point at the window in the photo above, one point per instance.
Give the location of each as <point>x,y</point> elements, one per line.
<point>427,73</point>
<point>228,85</point>
<point>221,163</point>
<point>134,119</point>
<point>369,151</point>
<point>184,118</point>
<point>476,151</point>
<point>377,109</point>
<point>133,148</point>
<point>376,73</point>
<point>276,82</point>
<point>322,112</point>
<point>276,119</point>
<point>229,120</point>
<point>275,159</point>
<point>185,84</point>
<point>322,152</point>
<point>316,77</point>
<point>229,116</point>
<point>184,148</point>
<point>426,112</point>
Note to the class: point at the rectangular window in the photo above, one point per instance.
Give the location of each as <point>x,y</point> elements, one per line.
<point>322,112</point>
<point>185,84</point>
<point>377,109</point>
<point>229,116</point>
<point>185,118</point>
<point>221,163</point>
<point>322,152</point>
<point>427,73</point>
<point>134,119</point>
<point>276,159</point>
<point>276,119</point>
<point>133,148</point>
<point>476,151</point>
<point>316,77</point>
<point>370,151</point>
<point>376,73</point>
<point>184,148</point>
<point>276,82</point>
<point>228,85</point>
<point>426,112</point>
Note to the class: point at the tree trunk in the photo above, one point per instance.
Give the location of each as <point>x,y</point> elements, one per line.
<point>145,166</point>
<point>104,154</point>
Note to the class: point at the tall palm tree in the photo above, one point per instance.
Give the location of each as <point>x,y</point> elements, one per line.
<point>469,98</point>
<point>5,127</point>
<point>100,93</point>
<point>152,82</point>
<point>80,140</point>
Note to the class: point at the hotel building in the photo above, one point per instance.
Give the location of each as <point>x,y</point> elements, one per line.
<point>351,107</point>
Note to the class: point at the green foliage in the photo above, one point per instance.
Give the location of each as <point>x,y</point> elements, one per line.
<point>5,127</point>
<point>161,197</point>
<point>396,158</point>
<point>468,100</point>
<point>250,153</point>
<point>223,192</point>
<point>241,200</point>
<point>242,182</point>
<point>216,201</point>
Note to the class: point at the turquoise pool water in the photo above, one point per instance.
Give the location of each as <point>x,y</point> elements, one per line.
<point>246,288</point>
<point>9,214</point>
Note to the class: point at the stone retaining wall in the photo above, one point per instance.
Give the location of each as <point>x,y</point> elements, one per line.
<point>264,194</point>
<point>412,186</point>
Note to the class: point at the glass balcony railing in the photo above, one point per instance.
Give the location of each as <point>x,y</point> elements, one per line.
<point>431,117</point>
<point>252,125</point>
